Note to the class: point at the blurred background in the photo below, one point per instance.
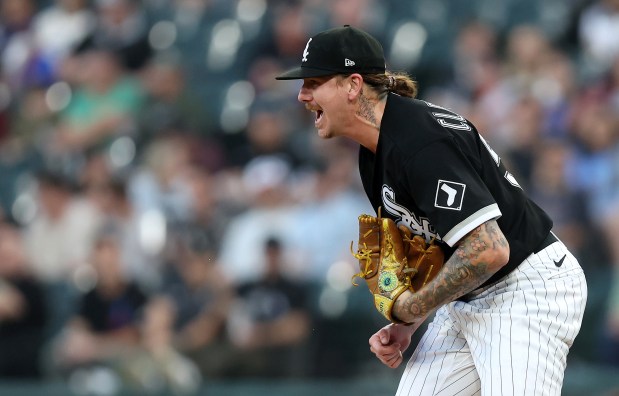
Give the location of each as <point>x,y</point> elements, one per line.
<point>171,225</point>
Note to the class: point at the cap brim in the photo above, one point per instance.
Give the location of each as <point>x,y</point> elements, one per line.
<point>304,72</point>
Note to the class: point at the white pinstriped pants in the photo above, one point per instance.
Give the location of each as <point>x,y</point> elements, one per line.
<point>511,339</point>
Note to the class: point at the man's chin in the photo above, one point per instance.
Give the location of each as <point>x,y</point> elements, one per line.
<point>324,134</point>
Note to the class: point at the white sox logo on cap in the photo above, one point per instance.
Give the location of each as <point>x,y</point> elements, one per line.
<point>341,50</point>
<point>305,51</point>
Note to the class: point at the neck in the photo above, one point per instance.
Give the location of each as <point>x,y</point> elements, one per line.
<point>368,117</point>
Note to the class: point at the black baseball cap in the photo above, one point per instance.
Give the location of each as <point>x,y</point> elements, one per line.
<point>341,50</point>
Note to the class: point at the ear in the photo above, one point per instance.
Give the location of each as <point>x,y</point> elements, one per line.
<point>355,85</point>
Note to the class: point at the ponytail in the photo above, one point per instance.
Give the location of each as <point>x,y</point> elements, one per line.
<point>397,82</point>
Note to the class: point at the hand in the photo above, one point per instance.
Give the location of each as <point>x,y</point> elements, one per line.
<point>389,342</point>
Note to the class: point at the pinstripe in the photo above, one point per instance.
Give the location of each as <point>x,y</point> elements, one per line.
<point>531,334</point>
<point>422,345</point>
<point>539,335</point>
<point>466,387</point>
<point>511,356</point>
<point>575,314</point>
<point>544,305</point>
<point>459,379</point>
<point>526,306</point>
<point>414,357</point>
<point>442,362</point>
<point>491,340</point>
<point>541,277</point>
<point>501,345</point>
<point>565,307</point>
<point>558,309</point>
<point>568,332</point>
<point>474,320</point>
<point>424,359</point>
<point>485,333</point>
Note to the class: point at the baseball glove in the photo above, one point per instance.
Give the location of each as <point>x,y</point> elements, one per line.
<point>392,260</point>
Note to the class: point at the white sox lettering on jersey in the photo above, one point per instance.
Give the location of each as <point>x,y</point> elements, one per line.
<point>418,225</point>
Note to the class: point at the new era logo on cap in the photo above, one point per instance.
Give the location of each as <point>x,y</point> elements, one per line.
<point>341,50</point>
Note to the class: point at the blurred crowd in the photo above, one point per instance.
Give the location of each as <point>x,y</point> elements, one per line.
<point>168,215</point>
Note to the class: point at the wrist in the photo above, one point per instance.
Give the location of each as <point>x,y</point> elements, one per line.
<point>409,309</point>
<point>401,312</point>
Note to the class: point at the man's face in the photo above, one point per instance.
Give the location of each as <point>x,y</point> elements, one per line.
<point>326,97</point>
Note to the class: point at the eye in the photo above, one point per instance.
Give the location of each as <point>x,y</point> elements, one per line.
<point>312,83</point>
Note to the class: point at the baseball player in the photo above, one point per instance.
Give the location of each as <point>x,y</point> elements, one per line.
<point>509,299</point>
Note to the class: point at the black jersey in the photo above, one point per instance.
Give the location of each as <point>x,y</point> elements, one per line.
<point>434,173</point>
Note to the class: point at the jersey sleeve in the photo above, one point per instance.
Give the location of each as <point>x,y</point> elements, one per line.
<point>448,189</point>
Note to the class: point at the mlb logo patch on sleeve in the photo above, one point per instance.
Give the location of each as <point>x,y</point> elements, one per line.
<point>449,195</point>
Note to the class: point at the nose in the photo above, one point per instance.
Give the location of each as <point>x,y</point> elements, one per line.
<point>304,95</point>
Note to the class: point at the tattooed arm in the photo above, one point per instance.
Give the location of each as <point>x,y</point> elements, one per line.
<point>478,256</point>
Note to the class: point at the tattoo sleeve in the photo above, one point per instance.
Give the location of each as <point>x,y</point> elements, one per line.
<point>471,264</point>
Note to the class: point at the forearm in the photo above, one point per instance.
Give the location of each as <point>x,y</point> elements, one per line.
<point>482,253</point>
<point>85,136</point>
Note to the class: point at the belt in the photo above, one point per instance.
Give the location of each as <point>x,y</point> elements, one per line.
<point>549,240</point>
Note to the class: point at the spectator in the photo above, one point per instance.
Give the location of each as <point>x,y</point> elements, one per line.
<point>60,27</point>
<point>23,313</point>
<point>592,169</point>
<point>272,321</point>
<point>525,123</point>
<point>268,134</point>
<point>550,190</point>
<point>270,212</point>
<point>103,106</point>
<point>140,264</point>
<point>22,66</point>
<point>31,122</point>
<point>598,26</point>
<point>160,185</point>
<point>158,367</point>
<point>609,342</point>
<point>171,102</point>
<point>332,198</point>
<point>188,314</point>
<point>122,28</point>
<point>475,68</point>
<point>527,47</point>
<point>104,331</point>
<point>209,215</point>
<point>58,242</point>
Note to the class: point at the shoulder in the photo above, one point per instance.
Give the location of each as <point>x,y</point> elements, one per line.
<point>409,126</point>
<point>400,106</point>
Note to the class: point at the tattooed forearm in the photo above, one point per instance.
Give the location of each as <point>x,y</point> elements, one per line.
<point>480,254</point>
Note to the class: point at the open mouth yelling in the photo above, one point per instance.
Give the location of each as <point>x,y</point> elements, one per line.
<point>319,114</point>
